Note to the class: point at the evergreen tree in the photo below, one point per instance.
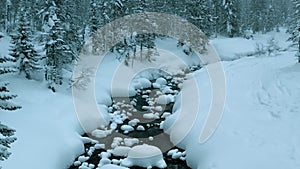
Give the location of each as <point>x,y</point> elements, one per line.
<point>94,16</point>
<point>6,104</point>
<point>258,10</point>
<point>6,139</point>
<point>295,21</point>
<point>294,29</point>
<point>23,50</point>
<point>74,33</point>
<point>6,66</point>
<point>58,54</point>
<point>271,18</point>
<point>230,24</point>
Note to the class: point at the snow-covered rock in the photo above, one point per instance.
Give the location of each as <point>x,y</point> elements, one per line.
<point>121,151</point>
<point>99,146</point>
<point>141,83</point>
<point>133,122</point>
<point>144,156</point>
<point>140,128</point>
<point>151,116</point>
<point>130,141</point>
<point>101,133</point>
<point>164,99</point>
<point>83,158</point>
<point>156,85</point>
<point>165,114</point>
<point>161,81</point>
<point>104,161</point>
<point>127,128</point>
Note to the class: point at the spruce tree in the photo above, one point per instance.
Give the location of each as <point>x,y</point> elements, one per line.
<point>6,139</point>
<point>230,24</point>
<point>6,66</point>
<point>270,23</point>
<point>6,133</point>
<point>198,12</point>
<point>58,54</point>
<point>94,16</point>
<point>23,51</point>
<point>258,10</point>
<point>294,28</point>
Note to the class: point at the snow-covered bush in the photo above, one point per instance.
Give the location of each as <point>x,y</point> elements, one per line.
<point>248,34</point>
<point>260,49</point>
<point>272,46</point>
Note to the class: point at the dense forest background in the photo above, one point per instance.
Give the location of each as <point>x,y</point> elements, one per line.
<point>60,28</point>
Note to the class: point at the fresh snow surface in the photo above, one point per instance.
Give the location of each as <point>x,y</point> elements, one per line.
<point>48,132</point>
<point>235,48</point>
<point>261,116</point>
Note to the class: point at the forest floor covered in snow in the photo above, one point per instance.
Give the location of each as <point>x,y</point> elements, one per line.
<point>259,128</point>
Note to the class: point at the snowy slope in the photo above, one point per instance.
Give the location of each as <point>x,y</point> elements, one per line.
<point>48,133</point>
<point>235,48</point>
<point>47,129</point>
<point>261,118</point>
<point>260,124</point>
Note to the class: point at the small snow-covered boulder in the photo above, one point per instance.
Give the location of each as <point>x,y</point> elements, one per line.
<point>99,146</point>
<point>77,163</point>
<point>133,122</point>
<point>130,141</point>
<point>83,158</point>
<point>151,116</point>
<point>141,83</point>
<point>166,114</point>
<point>121,151</point>
<point>161,81</point>
<point>140,128</point>
<point>127,128</point>
<point>101,133</point>
<point>104,161</point>
<point>144,156</point>
<point>164,99</point>
<point>156,85</point>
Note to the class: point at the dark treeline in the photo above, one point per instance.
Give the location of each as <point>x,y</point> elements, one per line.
<point>225,17</point>
<point>61,27</point>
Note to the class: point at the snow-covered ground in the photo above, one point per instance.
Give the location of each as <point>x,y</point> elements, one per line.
<point>258,129</point>
<point>260,121</point>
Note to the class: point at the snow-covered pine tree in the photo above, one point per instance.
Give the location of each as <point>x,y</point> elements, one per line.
<point>6,139</point>
<point>58,54</point>
<point>258,15</point>
<point>294,28</point>
<point>23,50</point>
<point>198,12</point>
<point>94,16</point>
<point>74,32</point>
<point>230,24</point>
<point>6,15</point>
<point>6,133</point>
<point>270,23</point>
<point>6,66</point>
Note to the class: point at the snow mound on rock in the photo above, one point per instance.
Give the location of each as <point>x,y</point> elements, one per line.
<point>144,156</point>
